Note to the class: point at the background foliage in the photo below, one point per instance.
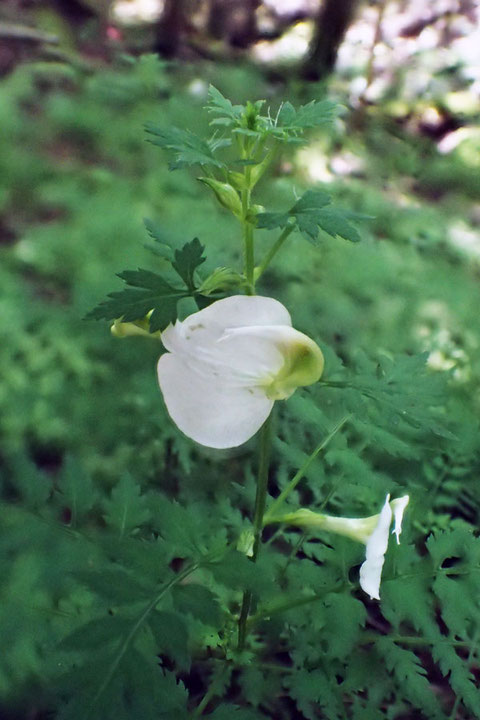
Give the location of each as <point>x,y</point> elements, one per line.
<point>120,579</point>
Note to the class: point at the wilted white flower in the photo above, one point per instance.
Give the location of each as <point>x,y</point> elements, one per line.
<point>377,544</point>
<point>227,364</point>
<point>373,531</point>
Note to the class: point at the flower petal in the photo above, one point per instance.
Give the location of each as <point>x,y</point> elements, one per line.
<point>207,326</point>
<point>244,310</point>
<point>371,570</point>
<point>398,506</point>
<point>205,408</point>
<point>271,353</point>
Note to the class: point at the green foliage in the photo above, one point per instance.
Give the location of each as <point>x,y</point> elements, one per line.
<point>121,580</point>
<point>286,125</point>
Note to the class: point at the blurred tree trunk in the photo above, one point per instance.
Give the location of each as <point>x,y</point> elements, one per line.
<point>169,29</point>
<point>331,25</point>
<point>234,21</point>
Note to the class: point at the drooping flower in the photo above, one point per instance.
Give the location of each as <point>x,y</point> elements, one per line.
<point>227,364</point>
<point>373,531</point>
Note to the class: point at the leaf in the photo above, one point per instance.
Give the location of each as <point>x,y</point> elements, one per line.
<point>218,104</point>
<point>189,149</point>
<point>96,633</point>
<point>171,635</point>
<point>236,571</point>
<point>234,712</point>
<point>126,509</point>
<point>187,260</point>
<point>77,489</point>
<point>260,687</point>
<point>152,293</point>
<point>138,688</point>
<point>344,616</point>
<point>114,585</point>
<point>411,676</point>
<point>313,114</point>
<point>395,393</point>
<point>457,671</point>
<point>335,222</point>
<point>162,247</point>
<point>311,689</point>
<point>198,601</point>
<point>181,527</point>
<point>33,486</point>
<point>309,215</point>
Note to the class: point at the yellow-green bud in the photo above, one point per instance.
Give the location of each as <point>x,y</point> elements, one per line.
<point>226,195</point>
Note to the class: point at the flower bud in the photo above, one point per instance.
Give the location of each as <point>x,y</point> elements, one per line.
<point>226,195</point>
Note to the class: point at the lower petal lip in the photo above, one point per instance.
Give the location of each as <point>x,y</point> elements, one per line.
<point>213,415</point>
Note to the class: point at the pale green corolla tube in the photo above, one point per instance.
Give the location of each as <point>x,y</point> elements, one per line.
<point>226,365</point>
<point>372,531</point>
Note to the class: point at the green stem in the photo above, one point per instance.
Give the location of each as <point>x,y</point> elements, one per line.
<point>301,472</point>
<point>260,502</point>
<point>273,250</point>
<point>248,243</point>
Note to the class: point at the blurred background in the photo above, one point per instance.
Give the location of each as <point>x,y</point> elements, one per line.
<point>78,79</point>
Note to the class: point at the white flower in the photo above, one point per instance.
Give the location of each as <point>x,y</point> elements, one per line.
<point>373,531</point>
<point>228,363</point>
<point>377,543</point>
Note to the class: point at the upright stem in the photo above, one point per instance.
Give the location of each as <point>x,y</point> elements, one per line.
<point>248,242</point>
<point>260,502</point>
<point>249,253</point>
<point>262,484</point>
